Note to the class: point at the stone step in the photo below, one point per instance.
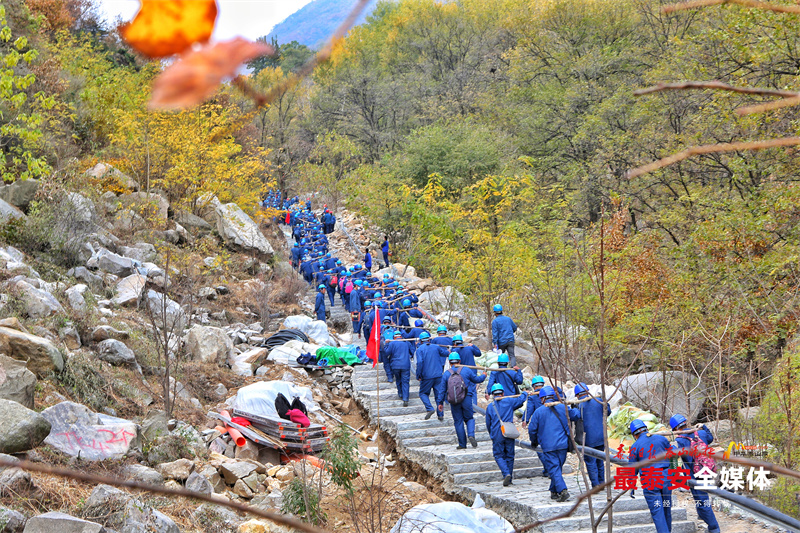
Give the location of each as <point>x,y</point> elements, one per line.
<point>413,404</point>
<point>446,440</point>
<point>495,475</point>
<point>437,431</point>
<point>619,519</point>
<point>405,422</point>
<point>686,526</point>
<point>470,455</point>
<point>367,388</point>
<point>484,466</point>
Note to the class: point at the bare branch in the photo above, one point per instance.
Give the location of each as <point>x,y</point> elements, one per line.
<point>755,4</point>
<point>717,85</point>
<point>769,106</point>
<point>93,478</point>
<point>711,149</point>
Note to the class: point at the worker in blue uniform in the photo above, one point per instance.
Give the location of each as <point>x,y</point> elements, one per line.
<point>429,370</point>
<point>319,306</point>
<point>509,379</point>
<point>385,251</point>
<point>442,339</point>
<point>534,402</point>
<point>549,428</point>
<point>296,252</point>
<point>659,499</point>
<point>503,329</point>
<point>387,333</point>
<point>702,503</point>
<point>591,410</point>
<point>400,354</point>
<point>502,410</point>
<point>467,354</point>
<point>461,411</point>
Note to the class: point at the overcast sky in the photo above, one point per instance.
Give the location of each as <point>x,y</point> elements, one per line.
<point>249,18</point>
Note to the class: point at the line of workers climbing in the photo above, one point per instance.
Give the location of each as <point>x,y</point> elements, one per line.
<point>442,365</point>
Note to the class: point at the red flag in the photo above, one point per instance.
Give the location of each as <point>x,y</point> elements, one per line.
<point>373,343</point>
<point>288,217</point>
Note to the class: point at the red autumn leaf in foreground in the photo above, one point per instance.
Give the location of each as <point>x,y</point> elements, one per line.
<point>196,75</point>
<point>163,28</point>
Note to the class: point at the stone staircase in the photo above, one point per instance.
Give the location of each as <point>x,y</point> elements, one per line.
<point>431,445</point>
<point>465,474</point>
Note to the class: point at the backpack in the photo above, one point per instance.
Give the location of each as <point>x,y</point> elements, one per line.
<point>701,460</point>
<point>334,280</point>
<point>456,388</point>
<point>282,406</point>
<point>348,288</point>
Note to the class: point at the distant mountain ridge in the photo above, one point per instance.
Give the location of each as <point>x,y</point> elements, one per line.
<point>312,24</point>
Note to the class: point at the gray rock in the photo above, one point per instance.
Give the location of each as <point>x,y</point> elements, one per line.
<point>154,425</point>
<point>75,297</point>
<point>143,474</point>
<point>20,193</point>
<point>748,413</point>
<point>206,208</point>
<point>23,429</point>
<point>38,303</point>
<point>174,317</point>
<point>115,264</point>
<point>17,383</point>
<point>82,208</point>
<point>116,353</point>
<point>101,333</point>
<point>14,481</point>
<point>666,393</point>
<point>192,222</point>
<point>70,336</point>
<point>217,514</point>
<point>42,356</point>
<point>85,275</point>
<point>77,431</point>
<point>11,521</point>
<point>62,523</point>
<point>105,498</point>
<point>129,290</point>
<point>268,502</point>
<point>141,202</point>
<point>9,212</point>
<point>208,344</point>
<point>208,293</point>
<point>198,483</point>
<point>239,231</point>
<point>126,221</point>
<point>235,470</point>
<point>179,470</point>
<point>143,252</point>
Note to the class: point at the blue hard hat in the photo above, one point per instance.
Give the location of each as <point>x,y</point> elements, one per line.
<point>581,388</point>
<point>321,287</point>
<point>419,323</point>
<point>676,421</point>
<point>441,329</point>
<point>502,358</point>
<point>544,392</point>
<point>296,245</point>
<point>457,338</point>
<point>406,303</point>
<point>367,303</point>
<point>358,267</point>
<point>637,425</point>
<point>338,261</point>
<point>497,308</point>
<point>398,333</point>
<point>328,255</point>
<point>387,319</point>
<point>454,356</point>
<point>424,336</point>
<point>537,379</point>
<point>376,295</point>
<point>497,388</point>
<point>386,275</point>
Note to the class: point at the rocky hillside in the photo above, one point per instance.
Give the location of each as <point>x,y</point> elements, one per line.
<point>108,300</point>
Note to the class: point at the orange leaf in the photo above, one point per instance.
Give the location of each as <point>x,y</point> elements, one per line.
<point>163,28</point>
<point>196,75</point>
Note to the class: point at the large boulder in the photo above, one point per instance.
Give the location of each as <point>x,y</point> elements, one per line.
<point>208,344</point>
<point>78,431</point>
<point>129,290</point>
<point>8,212</point>
<point>106,171</point>
<point>143,203</point>
<point>665,393</point>
<point>239,231</point>
<point>37,303</point>
<point>167,311</point>
<point>17,383</point>
<point>115,264</point>
<point>144,252</point>
<point>42,356</point>
<point>23,429</point>
<point>81,208</point>
<point>120,510</point>
<point>192,222</point>
<point>117,353</point>
<point>20,193</point>
<point>75,297</point>
<point>62,523</point>
<point>206,208</point>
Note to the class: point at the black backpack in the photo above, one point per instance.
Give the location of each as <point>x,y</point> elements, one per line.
<point>456,388</point>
